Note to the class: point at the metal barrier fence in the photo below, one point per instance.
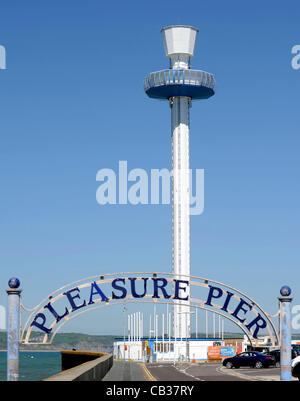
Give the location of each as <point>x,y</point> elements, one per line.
<point>180,77</point>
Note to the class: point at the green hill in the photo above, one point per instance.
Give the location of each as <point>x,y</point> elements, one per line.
<point>67,341</point>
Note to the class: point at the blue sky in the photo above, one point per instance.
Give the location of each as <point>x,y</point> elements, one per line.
<point>72,102</point>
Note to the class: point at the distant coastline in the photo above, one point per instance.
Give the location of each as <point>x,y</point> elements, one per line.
<point>35,350</point>
<point>66,342</point>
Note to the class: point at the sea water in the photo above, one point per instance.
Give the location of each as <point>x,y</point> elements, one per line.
<point>34,366</point>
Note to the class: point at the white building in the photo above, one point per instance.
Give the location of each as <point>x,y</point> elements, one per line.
<point>153,350</point>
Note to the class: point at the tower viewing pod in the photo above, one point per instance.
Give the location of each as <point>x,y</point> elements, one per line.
<point>180,85</point>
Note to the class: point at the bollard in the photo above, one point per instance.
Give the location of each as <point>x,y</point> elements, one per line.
<point>285,333</point>
<point>13,329</point>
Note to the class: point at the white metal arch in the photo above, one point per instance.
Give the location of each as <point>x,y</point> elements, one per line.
<point>146,301</point>
<point>107,278</point>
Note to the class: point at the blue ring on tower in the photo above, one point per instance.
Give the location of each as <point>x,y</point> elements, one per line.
<point>194,84</point>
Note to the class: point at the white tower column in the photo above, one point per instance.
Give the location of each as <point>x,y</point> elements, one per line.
<point>180,85</point>
<point>179,46</point>
<point>181,204</point>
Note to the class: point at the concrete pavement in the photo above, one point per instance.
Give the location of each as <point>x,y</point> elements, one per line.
<point>210,372</point>
<point>128,371</point>
<point>270,374</point>
<point>189,372</point>
<point>180,372</point>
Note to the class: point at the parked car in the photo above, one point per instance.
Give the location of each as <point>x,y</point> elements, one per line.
<point>276,354</point>
<point>253,359</point>
<point>296,367</point>
<point>296,347</point>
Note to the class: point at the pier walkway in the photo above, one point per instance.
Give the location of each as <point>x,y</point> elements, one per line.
<point>128,371</point>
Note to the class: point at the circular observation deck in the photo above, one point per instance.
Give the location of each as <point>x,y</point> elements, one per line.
<point>180,82</point>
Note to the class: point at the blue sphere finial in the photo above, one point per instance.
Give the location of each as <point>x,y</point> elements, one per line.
<point>14,282</point>
<point>285,291</point>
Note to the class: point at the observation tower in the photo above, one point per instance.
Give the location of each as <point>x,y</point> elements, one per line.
<point>180,85</point>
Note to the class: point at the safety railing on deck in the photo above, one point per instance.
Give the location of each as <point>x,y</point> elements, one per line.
<point>179,77</point>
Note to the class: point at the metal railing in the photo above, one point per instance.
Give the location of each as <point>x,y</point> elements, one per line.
<point>180,77</point>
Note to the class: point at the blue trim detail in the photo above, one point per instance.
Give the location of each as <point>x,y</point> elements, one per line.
<point>192,91</point>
